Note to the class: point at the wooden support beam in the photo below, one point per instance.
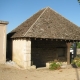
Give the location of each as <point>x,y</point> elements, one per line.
<point>61,40</point>
<point>41,39</point>
<point>35,38</point>
<point>69,40</point>
<point>51,39</point>
<point>56,40</point>
<point>68,52</point>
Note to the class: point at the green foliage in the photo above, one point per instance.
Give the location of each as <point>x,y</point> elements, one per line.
<point>79,1</point>
<point>77,58</point>
<point>76,61</point>
<point>55,65</point>
<point>78,45</point>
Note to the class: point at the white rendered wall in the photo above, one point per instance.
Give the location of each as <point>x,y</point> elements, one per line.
<point>22,52</point>
<point>2,43</point>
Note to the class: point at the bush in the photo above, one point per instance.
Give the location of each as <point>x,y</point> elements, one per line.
<point>78,44</point>
<point>55,66</point>
<point>76,61</point>
<point>78,64</point>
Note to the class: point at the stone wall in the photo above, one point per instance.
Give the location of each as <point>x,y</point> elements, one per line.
<point>21,53</point>
<point>27,53</point>
<point>3,41</point>
<point>44,51</point>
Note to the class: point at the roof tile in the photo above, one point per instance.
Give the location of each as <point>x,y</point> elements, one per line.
<point>47,24</point>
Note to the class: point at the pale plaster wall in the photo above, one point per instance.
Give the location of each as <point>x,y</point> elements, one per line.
<point>3,42</point>
<point>21,53</point>
<point>78,51</point>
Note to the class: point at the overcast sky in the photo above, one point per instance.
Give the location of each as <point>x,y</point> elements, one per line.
<point>17,11</point>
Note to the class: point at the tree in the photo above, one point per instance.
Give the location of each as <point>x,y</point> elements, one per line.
<point>79,1</point>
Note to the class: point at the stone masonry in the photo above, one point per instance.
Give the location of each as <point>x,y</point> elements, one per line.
<point>21,53</point>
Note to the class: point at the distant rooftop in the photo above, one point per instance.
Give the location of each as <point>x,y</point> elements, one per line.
<point>4,22</point>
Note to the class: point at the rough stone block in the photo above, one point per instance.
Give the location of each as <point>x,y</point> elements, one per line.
<point>33,67</point>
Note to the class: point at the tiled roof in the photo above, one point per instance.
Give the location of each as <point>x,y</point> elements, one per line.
<point>47,24</point>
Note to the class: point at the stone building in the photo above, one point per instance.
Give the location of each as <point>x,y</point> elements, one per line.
<point>3,25</point>
<point>42,38</point>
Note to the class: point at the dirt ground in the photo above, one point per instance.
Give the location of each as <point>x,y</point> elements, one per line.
<point>8,72</point>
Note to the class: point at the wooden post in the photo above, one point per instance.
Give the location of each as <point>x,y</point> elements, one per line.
<point>68,52</point>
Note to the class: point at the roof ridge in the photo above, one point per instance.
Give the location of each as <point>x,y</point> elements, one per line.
<point>35,21</point>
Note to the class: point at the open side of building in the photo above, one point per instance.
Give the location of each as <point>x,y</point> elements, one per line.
<point>42,38</point>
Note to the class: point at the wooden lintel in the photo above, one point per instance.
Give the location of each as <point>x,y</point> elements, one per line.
<point>69,40</point>
<point>56,40</point>
<point>78,41</point>
<point>13,38</point>
<point>74,40</point>
<point>51,39</point>
<point>28,39</point>
<point>61,40</point>
<point>35,38</point>
<point>40,39</point>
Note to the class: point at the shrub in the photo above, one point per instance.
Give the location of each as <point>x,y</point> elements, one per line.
<point>78,64</point>
<point>77,58</point>
<point>55,66</point>
<point>76,61</point>
<point>78,44</point>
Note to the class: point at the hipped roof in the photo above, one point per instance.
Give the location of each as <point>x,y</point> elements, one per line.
<point>47,24</point>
